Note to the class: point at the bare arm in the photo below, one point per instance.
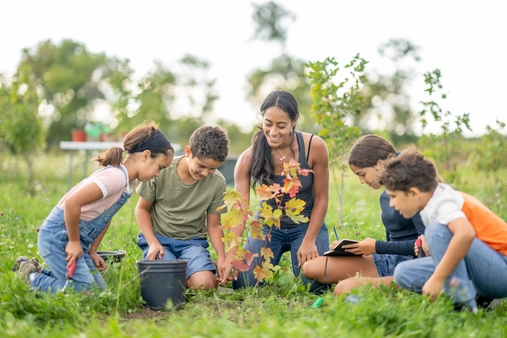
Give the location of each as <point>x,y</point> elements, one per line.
<point>319,154</point>
<point>224,261</point>
<point>99,261</point>
<point>461,241</point>
<point>143,218</point>
<point>87,194</point>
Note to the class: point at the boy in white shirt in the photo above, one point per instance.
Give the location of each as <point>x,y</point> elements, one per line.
<point>467,241</point>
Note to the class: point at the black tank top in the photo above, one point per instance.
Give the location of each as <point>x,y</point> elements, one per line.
<point>306,191</point>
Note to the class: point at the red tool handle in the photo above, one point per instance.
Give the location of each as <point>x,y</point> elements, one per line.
<point>420,250</point>
<point>70,271</point>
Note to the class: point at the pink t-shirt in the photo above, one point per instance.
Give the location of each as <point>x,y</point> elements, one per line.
<point>112,181</point>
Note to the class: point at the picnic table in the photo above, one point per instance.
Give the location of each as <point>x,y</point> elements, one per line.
<point>87,147</point>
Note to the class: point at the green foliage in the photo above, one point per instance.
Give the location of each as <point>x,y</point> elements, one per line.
<point>285,72</point>
<point>71,80</point>
<point>333,102</point>
<point>492,153</point>
<point>239,215</point>
<point>387,101</point>
<point>451,126</point>
<point>268,19</point>
<point>21,125</point>
<point>281,308</point>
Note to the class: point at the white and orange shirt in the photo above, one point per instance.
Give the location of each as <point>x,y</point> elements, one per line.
<point>447,204</point>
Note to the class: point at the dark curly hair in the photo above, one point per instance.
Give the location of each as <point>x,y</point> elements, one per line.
<point>409,170</point>
<point>209,142</point>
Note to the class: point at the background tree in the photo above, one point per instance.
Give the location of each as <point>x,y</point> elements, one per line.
<point>285,72</point>
<point>180,100</point>
<point>21,126</point>
<point>440,147</point>
<point>269,21</point>
<point>386,95</point>
<point>73,82</point>
<point>337,97</point>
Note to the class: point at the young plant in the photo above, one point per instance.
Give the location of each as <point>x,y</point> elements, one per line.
<point>334,101</point>
<point>265,219</point>
<point>451,125</point>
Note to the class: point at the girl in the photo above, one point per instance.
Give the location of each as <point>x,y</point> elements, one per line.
<point>75,227</point>
<point>278,142</point>
<point>378,258</point>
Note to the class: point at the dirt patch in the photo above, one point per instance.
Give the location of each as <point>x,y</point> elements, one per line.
<point>145,313</point>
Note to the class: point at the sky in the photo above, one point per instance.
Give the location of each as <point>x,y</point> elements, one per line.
<point>466,40</point>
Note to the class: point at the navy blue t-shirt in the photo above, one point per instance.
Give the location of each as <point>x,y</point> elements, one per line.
<point>401,232</point>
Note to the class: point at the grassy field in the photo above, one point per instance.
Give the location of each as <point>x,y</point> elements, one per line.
<point>281,308</point>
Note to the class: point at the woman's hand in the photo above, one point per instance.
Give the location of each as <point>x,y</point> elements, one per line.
<point>366,247</point>
<point>307,251</point>
<point>99,261</point>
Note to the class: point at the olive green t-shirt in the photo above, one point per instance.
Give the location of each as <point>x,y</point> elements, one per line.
<point>179,210</point>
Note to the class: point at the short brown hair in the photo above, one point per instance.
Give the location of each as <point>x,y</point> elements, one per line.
<point>409,170</point>
<point>209,142</point>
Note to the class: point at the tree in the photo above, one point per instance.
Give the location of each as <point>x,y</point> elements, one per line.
<point>334,102</point>
<point>21,125</point>
<point>386,97</point>
<point>268,20</point>
<point>73,81</point>
<point>285,72</point>
<point>442,146</point>
<point>180,101</point>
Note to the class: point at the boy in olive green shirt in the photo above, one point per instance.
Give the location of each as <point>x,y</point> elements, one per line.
<point>178,210</point>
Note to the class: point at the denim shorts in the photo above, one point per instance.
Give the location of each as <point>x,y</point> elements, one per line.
<point>385,264</point>
<point>195,250</point>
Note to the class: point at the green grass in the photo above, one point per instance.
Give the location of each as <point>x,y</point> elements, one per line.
<point>281,308</point>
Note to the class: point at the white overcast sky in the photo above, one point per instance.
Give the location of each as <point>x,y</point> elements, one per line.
<point>466,40</point>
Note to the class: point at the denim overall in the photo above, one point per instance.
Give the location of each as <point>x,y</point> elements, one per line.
<point>53,239</point>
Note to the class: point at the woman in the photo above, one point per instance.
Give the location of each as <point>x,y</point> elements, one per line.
<point>377,258</point>
<point>277,142</point>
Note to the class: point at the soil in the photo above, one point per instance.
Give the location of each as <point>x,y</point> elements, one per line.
<point>145,313</point>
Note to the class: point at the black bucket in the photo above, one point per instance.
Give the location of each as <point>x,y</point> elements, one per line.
<point>163,280</point>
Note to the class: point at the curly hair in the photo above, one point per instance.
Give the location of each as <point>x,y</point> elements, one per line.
<point>409,170</point>
<point>209,142</point>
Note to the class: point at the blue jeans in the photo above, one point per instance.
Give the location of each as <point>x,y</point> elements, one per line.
<point>53,239</point>
<point>195,250</point>
<point>386,263</point>
<point>282,240</point>
<point>482,272</point>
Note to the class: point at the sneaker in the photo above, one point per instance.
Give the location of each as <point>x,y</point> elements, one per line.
<point>495,303</point>
<point>21,259</point>
<point>25,268</point>
<point>488,303</point>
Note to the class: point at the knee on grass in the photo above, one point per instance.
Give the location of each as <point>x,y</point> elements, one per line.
<point>202,280</point>
<point>346,285</point>
<point>312,269</point>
